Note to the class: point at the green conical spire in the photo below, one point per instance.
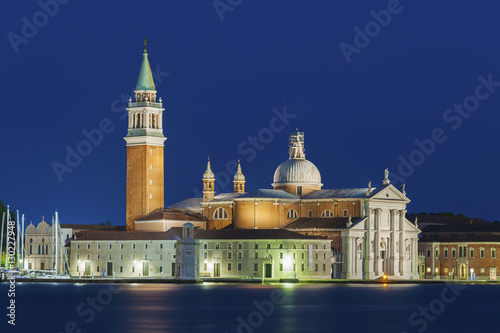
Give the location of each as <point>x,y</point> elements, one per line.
<point>145,81</point>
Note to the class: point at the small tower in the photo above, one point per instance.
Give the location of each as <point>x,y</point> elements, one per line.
<point>145,140</point>
<point>208,183</point>
<point>239,180</point>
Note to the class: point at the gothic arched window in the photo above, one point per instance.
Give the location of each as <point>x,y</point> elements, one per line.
<point>220,213</point>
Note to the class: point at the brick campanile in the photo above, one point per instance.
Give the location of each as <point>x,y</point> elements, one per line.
<point>145,142</point>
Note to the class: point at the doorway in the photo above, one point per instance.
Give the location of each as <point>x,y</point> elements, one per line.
<point>87,268</point>
<point>145,268</point>
<point>173,269</point>
<point>268,268</point>
<point>109,270</point>
<point>463,271</point>
<point>217,270</point>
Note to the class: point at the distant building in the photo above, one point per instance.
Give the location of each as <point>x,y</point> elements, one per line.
<point>40,247</point>
<point>459,248</point>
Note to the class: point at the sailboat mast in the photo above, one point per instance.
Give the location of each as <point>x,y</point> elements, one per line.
<point>57,241</point>
<point>22,242</point>
<point>17,238</point>
<point>1,239</point>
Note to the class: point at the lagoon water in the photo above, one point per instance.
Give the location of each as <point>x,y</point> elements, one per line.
<point>66,307</point>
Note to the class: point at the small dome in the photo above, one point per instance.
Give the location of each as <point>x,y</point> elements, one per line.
<point>297,172</point>
<point>239,177</point>
<point>208,173</point>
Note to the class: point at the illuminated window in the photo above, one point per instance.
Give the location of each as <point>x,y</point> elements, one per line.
<point>481,270</point>
<point>327,213</point>
<point>292,214</point>
<point>220,213</point>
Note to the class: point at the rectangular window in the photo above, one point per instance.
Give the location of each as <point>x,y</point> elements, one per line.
<point>121,246</point>
<point>133,269</point>
<point>240,255</point>
<point>256,246</point>
<point>205,255</point>
<point>345,212</point>
<point>481,253</point>
<point>161,246</point>
<point>161,269</point>
<point>294,255</point>
<point>324,255</point>
<point>268,246</point>
<point>302,267</point>
<point>146,246</point>
<point>98,256</point>
<point>88,246</point>
<point>281,267</point>
<point>294,267</point>
<point>97,269</point>
<point>229,246</point>
<point>493,253</point>
<point>255,267</point>
<point>217,246</point>
<point>316,267</point>
<point>240,246</point>
<point>88,256</point>
<point>228,266</point>
<point>437,253</point>
<point>78,246</point>
<point>109,256</point>
<point>133,256</point>
<point>98,246</point>
<point>281,255</point>
<point>205,246</point>
<point>316,255</point>
<point>77,268</point>
<point>324,267</point>
<point>239,266</point>
<point>446,253</point>
<point>302,255</point>
<point>77,256</point>
<point>205,266</point>
<point>294,246</point>
<point>472,253</point>
<point>145,257</point>
<point>161,256</point>
<point>229,255</point>
<point>121,269</point>
<point>299,190</point>
<point>453,253</point>
<point>309,213</point>
<point>256,256</point>
<point>481,270</point>
<point>133,246</point>
<point>281,246</point>
<point>110,246</point>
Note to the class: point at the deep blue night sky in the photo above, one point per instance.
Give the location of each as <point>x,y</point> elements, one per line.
<point>224,79</point>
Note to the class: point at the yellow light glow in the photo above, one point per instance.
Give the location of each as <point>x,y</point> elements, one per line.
<point>287,263</point>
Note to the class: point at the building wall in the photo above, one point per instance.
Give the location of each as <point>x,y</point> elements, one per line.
<point>144,182</point>
<point>293,188</point>
<point>338,208</point>
<point>237,258</point>
<point>164,225</point>
<point>128,261</point>
<point>448,264</point>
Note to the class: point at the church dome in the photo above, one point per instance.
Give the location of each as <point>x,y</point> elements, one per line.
<point>297,172</point>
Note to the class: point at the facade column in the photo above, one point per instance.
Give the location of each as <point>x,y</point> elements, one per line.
<point>367,264</point>
<point>402,250</point>
<point>346,241</point>
<point>160,121</point>
<point>393,260</point>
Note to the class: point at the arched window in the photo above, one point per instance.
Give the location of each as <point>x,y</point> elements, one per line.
<point>31,249</point>
<point>39,249</point>
<point>327,213</point>
<point>292,214</point>
<point>220,213</point>
<point>31,240</point>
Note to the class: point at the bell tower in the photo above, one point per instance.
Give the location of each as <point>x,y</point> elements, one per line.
<point>239,180</point>
<point>208,183</point>
<point>145,142</point>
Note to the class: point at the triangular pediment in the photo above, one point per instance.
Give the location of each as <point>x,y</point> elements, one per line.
<point>389,192</point>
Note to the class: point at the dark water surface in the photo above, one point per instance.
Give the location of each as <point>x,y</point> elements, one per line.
<point>61,307</point>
